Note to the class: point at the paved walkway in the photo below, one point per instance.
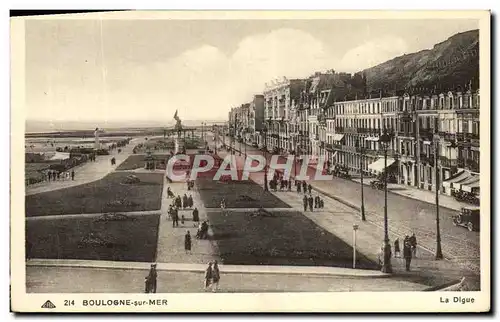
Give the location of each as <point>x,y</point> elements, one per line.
<point>127,213</point>
<point>200,268</point>
<point>91,280</point>
<point>89,171</point>
<point>170,246</point>
<point>419,194</point>
<point>340,214</point>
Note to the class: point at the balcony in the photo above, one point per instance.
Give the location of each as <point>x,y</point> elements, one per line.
<point>427,159</point>
<point>468,164</point>
<point>426,133</point>
<point>350,130</point>
<point>445,162</point>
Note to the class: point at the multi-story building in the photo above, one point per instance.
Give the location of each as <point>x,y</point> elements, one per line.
<point>256,121</point>
<point>320,92</point>
<point>280,98</point>
<point>354,135</point>
<point>421,127</point>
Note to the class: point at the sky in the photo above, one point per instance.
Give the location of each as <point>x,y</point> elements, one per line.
<point>125,70</point>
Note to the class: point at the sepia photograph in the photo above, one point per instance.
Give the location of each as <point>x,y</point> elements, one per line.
<point>168,157</point>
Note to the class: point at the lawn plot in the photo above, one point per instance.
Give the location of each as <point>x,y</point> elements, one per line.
<point>287,238</point>
<point>110,194</point>
<point>138,161</point>
<point>131,238</point>
<point>238,194</point>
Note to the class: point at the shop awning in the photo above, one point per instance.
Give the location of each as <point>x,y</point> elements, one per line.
<point>337,137</point>
<point>457,177</point>
<point>471,185</point>
<point>378,166</point>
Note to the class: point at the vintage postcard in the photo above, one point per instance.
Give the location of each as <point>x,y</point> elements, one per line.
<point>241,161</point>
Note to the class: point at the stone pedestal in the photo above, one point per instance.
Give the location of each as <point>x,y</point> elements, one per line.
<point>179,145</point>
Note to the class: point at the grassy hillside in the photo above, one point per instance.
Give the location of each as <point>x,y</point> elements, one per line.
<point>449,64</point>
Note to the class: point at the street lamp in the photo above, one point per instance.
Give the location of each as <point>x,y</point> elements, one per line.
<point>385,139</point>
<point>360,149</point>
<point>439,252</point>
<point>354,229</point>
<point>266,188</point>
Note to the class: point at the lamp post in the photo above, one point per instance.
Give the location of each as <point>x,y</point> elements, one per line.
<point>360,149</point>
<point>266,188</point>
<point>439,252</point>
<point>354,229</point>
<point>385,139</point>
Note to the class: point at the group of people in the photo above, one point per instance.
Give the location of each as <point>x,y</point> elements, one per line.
<point>53,175</point>
<point>212,277</point>
<point>279,182</point>
<point>210,281</point>
<point>302,186</point>
<point>317,202</point>
<point>409,249</point>
<point>185,202</point>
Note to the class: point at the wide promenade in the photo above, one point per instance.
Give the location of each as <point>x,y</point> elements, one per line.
<point>406,215</point>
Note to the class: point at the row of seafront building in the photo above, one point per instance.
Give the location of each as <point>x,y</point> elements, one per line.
<point>332,115</point>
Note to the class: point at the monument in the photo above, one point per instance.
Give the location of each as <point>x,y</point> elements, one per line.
<point>177,140</point>
<point>97,144</point>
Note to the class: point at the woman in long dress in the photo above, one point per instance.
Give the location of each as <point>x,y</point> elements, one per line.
<point>187,242</point>
<point>215,277</point>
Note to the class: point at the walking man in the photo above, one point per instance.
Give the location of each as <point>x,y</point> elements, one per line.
<point>413,243</point>
<point>397,249</point>
<point>304,186</point>
<point>215,277</point>
<point>407,253</point>
<point>299,186</point>
<point>153,275</point>
<point>73,175</point>
<point>208,276</point>
<point>187,242</point>
<point>309,188</point>
<point>311,201</point>
<point>305,202</point>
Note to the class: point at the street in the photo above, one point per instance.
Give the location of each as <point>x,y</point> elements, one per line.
<point>405,215</point>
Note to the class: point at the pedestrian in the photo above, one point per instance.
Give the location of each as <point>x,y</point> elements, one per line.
<point>311,201</point>
<point>153,275</point>
<point>407,253</point>
<point>316,202</point>
<point>397,249</point>
<point>190,201</point>
<point>182,219</point>
<point>309,188</point>
<point>208,276</point>
<point>187,242</point>
<point>175,218</point>
<point>321,203</point>
<point>299,186</point>
<point>413,243</point>
<point>50,175</point>
<point>73,175</point>
<point>146,285</point>
<point>184,201</point>
<point>215,277</point>
<point>305,202</point>
<point>304,186</point>
<point>196,216</point>
<point>290,185</point>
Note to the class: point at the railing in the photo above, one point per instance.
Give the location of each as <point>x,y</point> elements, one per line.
<point>428,159</point>
<point>445,162</point>
<point>426,133</point>
<point>468,164</point>
<point>351,130</point>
